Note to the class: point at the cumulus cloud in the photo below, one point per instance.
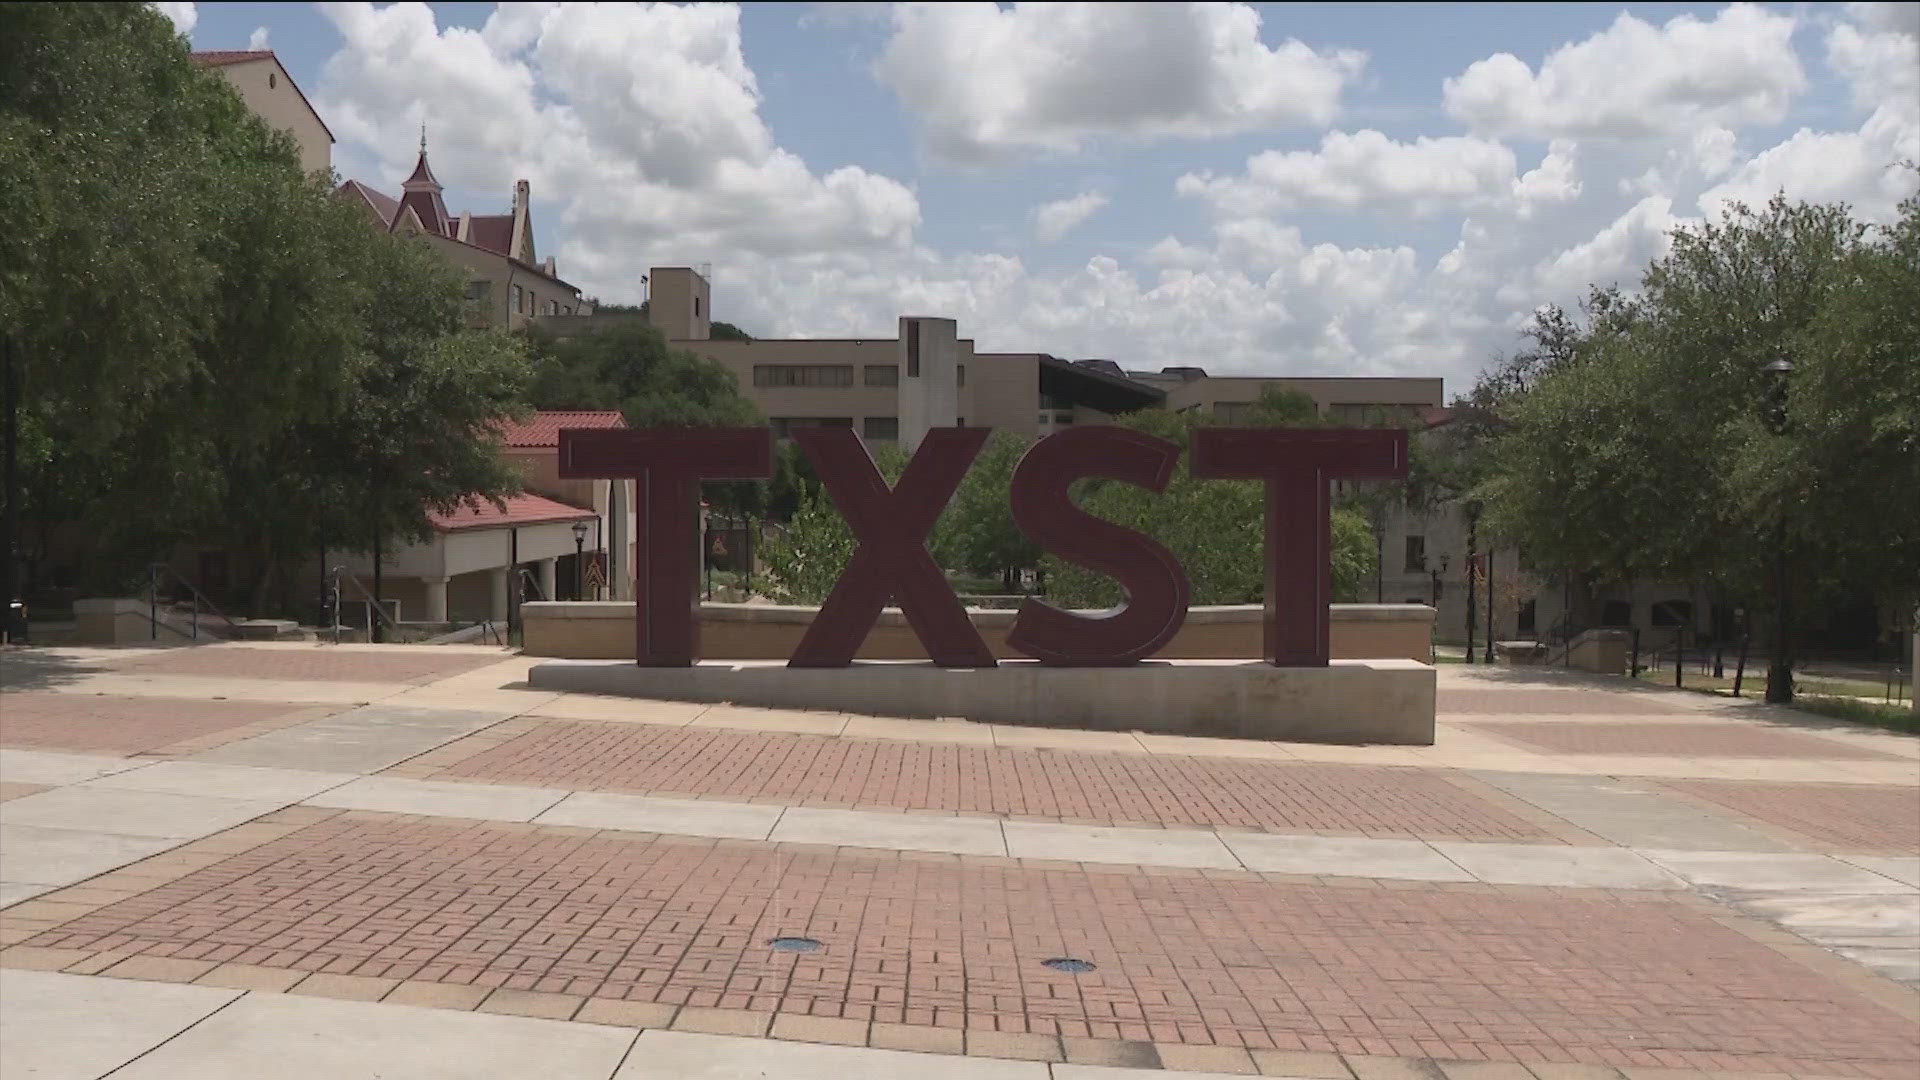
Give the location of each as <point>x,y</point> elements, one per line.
<point>183,16</point>
<point>1053,220</point>
<point>1877,55</point>
<point>258,39</point>
<point>1368,171</point>
<point>987,82</point>
<point>642,120</point>
<point>1636,80</point>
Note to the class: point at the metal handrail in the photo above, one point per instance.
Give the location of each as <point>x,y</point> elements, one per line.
<point>373,603</point>
<point>199,598</point>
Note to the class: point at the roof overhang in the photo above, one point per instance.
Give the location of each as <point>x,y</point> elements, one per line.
<point>1096,389</point>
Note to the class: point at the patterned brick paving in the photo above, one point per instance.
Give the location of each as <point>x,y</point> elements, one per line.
<point>1702,739</point>
<point>319,662</point>
<point>1230,959</point>
<point>123,725</point>
<point>1557,701</point>
<point>901,774</point>
<point>1849,817</point>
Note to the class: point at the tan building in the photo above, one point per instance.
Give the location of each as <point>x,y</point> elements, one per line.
<point>926,375</point>
<point>508,285</point>
<point>465,571</point>
<point>271,94</point>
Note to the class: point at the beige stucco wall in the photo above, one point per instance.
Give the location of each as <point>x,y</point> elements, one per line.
<point>1003,392</point>
<point>501,275</point>
<point>746,632</point>
<point>264,86</point>
<point>1325,392</point>
<point>856,402</point>
<point>679,303</point>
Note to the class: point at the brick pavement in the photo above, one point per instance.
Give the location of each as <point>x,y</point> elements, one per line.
<point>1105,788</point>
<point>124,725</point>
<point>1705,738</point>
<point>416,665</point>
<point>1524,700</point>
<point>1847,817</point>
<point>1475,974</point>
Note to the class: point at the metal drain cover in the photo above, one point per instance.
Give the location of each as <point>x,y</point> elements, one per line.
<point>1069,964</point>
<point>794,944</point>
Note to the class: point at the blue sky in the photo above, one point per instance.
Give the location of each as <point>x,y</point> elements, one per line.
<point>1304,189</point>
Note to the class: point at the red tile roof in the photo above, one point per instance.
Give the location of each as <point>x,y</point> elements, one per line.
<point>493,232</point>
<point>383,205</point>
<point>543,429</point>
<point>218,58</point>
<point>521,510</point>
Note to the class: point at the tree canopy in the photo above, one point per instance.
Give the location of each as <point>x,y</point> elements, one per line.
<point>211,346</point>
<point>1644,443</point>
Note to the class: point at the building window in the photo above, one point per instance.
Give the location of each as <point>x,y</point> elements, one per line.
<point>959,421</point>
<point>885,428</point>
<point>1061,404</point>
<point>1230,412</point>
<point>960,374</point>
<point>1416,555</point>
<point>913,350</point>
<point>696,307</point>
<point>783,426</point>
<point>818,375</point>
<point>272,80</point>
<point>882,374</point>
<point>479,292</point>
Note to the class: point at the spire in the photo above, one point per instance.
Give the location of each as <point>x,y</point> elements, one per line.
<point>422,193</point>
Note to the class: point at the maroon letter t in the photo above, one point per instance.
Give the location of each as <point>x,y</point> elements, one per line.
<point>1296,464</point>
<point>667,465</point>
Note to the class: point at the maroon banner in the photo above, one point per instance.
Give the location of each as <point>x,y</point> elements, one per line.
<point>1297,465</point>
<point>1149,575</point>
<point>666,465</point>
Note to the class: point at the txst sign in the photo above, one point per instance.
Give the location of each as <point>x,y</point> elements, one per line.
<point>890,525</point>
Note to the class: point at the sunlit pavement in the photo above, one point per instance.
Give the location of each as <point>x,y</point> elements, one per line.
<point>334,861</point>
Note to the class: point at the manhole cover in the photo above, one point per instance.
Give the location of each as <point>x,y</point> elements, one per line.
<point>794,944</point>
<point>1073,965</point>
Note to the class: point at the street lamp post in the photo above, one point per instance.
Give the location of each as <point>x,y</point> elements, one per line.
<point>579,557</point>
<point>1780,665</point>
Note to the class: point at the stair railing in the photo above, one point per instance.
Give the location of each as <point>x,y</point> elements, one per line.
<point>155,571</point>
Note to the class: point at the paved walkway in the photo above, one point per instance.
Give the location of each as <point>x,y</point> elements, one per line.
<point>335,861</point>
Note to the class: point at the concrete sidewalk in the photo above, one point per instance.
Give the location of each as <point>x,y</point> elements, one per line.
<point>259,860</point>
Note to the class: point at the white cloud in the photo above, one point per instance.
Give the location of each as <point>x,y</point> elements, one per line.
<point>1635,80</point>
<point>1055,219</point>
<point>988,82</point>
<point>642,121</point>
<point>1903,17</point>
<point>1879,59</point>
<point>1616,253</point>
<point>258,39</point>
<point>1366,171</point>
<point>1880,67</point>
<point>183,16</point>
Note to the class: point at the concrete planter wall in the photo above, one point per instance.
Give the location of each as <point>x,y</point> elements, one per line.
<point>601,630</point>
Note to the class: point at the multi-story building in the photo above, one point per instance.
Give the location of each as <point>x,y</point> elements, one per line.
<point>507,284</point>
<point>926,375</point>
<point>271,94</point>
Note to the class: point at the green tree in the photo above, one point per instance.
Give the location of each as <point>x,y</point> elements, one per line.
<point>806,555</point>
<point>1215,528</point>
<point>212,346</point>
<point>977,533</point>
<point>1655,449</point>
<point>630,367</point>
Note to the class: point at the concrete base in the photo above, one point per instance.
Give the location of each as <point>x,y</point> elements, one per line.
<point>1352,701</point>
